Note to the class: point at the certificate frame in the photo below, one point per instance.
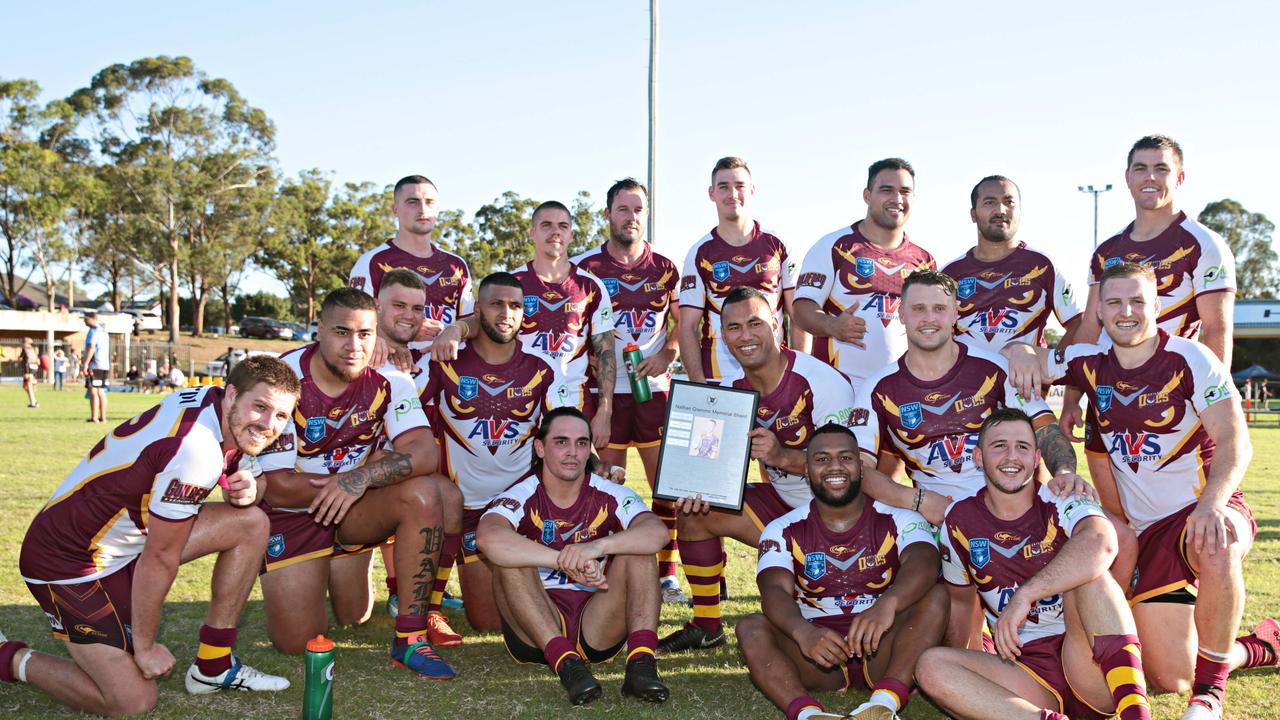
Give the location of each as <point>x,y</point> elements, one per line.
<point>706,444</point>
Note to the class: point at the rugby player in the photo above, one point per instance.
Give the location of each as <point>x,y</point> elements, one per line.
<point>642,287</point>
<point>1067,644</point>
<point>1170,417</point>
<point>101,555</point>
<point>328,483</point>
<point>925,410</point>
<point>566,309</point>
<point>574,569</point>
<point>738,252</point>
<point>849,592</point>
<point>1004,289</point>
<point>798,394</point>
<point>850,284</point>
<point>489,401</point>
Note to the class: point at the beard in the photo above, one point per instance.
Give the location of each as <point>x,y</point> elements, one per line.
<point>999,233</point>
<point>240,430</point>
<point>495,334</point>
<point>828,498</point>
<point>343,375</point>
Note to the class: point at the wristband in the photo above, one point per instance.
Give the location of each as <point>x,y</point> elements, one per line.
<point>22,665</point>
<point>919,499</point>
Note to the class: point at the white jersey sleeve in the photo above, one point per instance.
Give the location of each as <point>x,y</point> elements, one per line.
<point>404,412</point>
<point>833,396</point>
<point>630,504</point>
<point>864,420</point>
<point>1216,269</point>
<point>1065,304</point>
<point>789,271</point>
<point>181,487</point>
<point>602,318</point>
<point>817,273</point>
<point>773,552</point>
<point>281,454</point>
<point>912,527</point>
<point>953,570</point>
<point>509,505</point>
<point>1213,382</point>
<point>1071,510</point>
<point>693,293</point>
<point>361,278</point>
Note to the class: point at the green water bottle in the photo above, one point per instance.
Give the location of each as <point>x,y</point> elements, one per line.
<point>317,698</point>
<point>632,358</point>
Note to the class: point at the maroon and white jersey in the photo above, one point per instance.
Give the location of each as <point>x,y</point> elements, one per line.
<point>446,276</point>
<point>845,270</point>
<point>838,575</point>
<point>1009,300</point>
<point>602,508</point>
<point>642,295</point>
<point>330,435</point>
<point>933,424</point>
<point>713,267</point>
<point>1189,260</point>
<point>559,321</point>
<point>159,465</point>
<point>998,556</point>
<point>1149,419</point>
<point>810,395</point>
<point>485,418</point>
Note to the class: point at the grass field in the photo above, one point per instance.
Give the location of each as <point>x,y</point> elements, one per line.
<point>38,447</point>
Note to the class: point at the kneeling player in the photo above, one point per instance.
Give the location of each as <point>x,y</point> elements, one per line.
<point>102,554</point>
<point>575,574</point>
<point>1067,642</point>
<point>849,589</point>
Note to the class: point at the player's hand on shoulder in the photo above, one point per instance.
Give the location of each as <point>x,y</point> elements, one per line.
<point>1069,484</point>
<point>154,661</point>
<point>693,505</point>
<point>430,328</point>
<point>822,645</point>
<point>1026,370</point>
<point>444,348</point>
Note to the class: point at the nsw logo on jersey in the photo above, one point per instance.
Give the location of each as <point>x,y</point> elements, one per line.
<point>611,285</point>
<point>980,552</point>
<point>1104,395</point>
<point>468,387</point>
<point>720,271</point>
<point>315,429</point>
<point>865,267</point>
<point>548,532</point>
<point>911,415</point>
<point>815,565</point>
<point>530,305</point>
<point>966,287</point>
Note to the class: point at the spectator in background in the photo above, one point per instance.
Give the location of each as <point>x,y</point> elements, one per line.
<point>133,377</point>
<point>59,369</point>
<point>176,378</point>
<point>30,361</point>
<point>96,367</point>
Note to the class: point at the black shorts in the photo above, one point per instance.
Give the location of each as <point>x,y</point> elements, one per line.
<point>95,379</point>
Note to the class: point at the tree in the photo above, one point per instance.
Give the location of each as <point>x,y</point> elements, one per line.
<point>361,219</point>
<point>590,229</point>
<point>30,184</point>
<point>299,248</point>
<point>173,136</point>
<point>1249,236</point>
<point>502,239</point>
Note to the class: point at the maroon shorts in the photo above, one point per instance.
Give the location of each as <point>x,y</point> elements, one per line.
<point>1042,659</point>
<point>763,504</point>
<point>470,521</point>
<point>95,612</point>
<point>569,604</point>
<point>295,537</point>
<point>637,424</point>
<point>855,671</point>
<point>1162,553</point>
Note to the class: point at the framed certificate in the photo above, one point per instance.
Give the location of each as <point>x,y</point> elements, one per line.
<point>706,448</point>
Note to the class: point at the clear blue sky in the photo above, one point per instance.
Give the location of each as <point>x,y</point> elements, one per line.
<point>549,98</point>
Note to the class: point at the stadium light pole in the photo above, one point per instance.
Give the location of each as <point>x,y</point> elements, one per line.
<point>1095,192</point>
<point>653,111</point>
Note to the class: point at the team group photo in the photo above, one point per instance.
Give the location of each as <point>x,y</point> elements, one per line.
<point>558,456</point>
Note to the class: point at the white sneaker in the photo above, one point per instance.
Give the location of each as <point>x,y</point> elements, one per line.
<point>238,677</point>
<point>873,711</point>
<point>1203,707</point>
<point>671,592</point>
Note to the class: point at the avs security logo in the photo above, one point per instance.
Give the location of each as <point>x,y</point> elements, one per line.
<point>344,457</point>
<point>315,429</point>
<point>967,287</point>
<point>275,545</point>
<point>979,552</point>
<point>468,387</point>
<point>815,565</point>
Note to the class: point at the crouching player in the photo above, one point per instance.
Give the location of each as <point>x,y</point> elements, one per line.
<point>574,568</point>
<point>1039,563</point>
<point>103,552</point>
<point>849,589</point>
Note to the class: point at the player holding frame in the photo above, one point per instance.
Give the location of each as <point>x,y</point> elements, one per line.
<point>1170,417</point>
<point>642,288</point>
<point>102,554</point>
<point>1067,643</point>
<point>334,493</point>
<point>574,569</point>
<point>849,592</point>
<point>738,252</point>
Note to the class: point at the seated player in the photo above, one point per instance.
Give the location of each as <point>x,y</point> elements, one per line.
<point>1170,417</point>
<point>328,484</point>
<point>1067,643</point>
<point>101,555</point>
<point>575,574</point>
<point>797,395</point>
<point>849,592</point>
<point>487,403</point>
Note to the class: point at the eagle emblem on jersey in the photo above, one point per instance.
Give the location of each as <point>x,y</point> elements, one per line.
<point>611,285</point>
<point>967,287</point>
<point>815,565</point>
<point>1104,395</point>
<point>979,552</point>
<point>911,415</point>
<point>315,429</point>
<point>720,271</point>
<point>530,305</point>
<point>865,267</point>
<point>468,387</point>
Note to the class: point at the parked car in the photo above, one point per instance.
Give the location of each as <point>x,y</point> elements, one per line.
<point>300,332</point>
<point>218,366</point>
<point>313,331</point>
<point>147,321</point>
<point>262,327</point>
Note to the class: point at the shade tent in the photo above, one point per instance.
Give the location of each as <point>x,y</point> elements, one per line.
<point>1253,372</point>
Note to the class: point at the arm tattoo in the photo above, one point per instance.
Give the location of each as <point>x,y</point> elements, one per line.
<point>1055,449</point>
<point>606,363</point>
<point>389,470</point>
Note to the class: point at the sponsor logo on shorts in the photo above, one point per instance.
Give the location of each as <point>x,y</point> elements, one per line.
<point>469,541</point>
<point>979,552</point>
<point>180,493</point>
<point>275,545</point>
<point>815,565</point>
<point>316,428</point>
<point>55,623</point>
<point>88,630</point>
